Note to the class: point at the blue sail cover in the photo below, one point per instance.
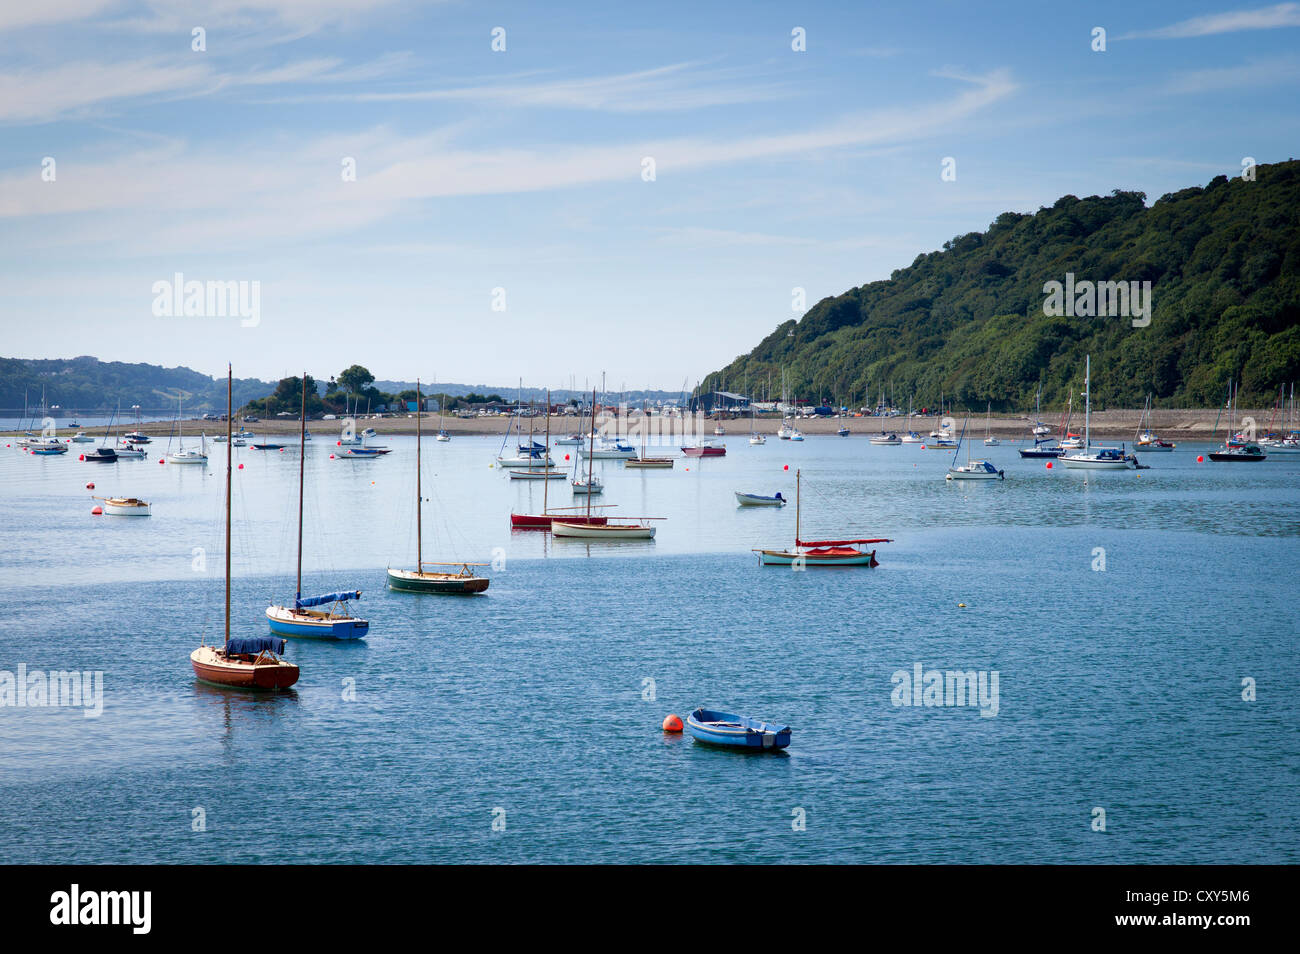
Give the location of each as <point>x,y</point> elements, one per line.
<point>252,645</point>
<point>327,598</point>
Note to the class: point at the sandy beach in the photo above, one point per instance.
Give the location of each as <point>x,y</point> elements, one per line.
<point>1189,424</point>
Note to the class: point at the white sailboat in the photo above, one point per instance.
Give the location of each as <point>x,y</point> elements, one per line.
<point>181,455</point>
<point>755,438</point>
<point>602,531</point>
<point>989,439</point>
<point>973,469</point>
<point>1102,458</point>
<point>1146,439</point>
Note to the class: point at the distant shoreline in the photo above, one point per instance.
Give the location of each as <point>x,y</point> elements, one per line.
<point>1191,424</point>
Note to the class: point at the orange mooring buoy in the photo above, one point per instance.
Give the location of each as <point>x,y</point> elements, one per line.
<point>97,512</point>
<point>672,723</point>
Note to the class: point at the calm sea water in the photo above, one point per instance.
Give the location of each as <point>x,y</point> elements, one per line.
<point>539,704</point>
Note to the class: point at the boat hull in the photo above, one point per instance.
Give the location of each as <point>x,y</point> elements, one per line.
<point>530,521</point>
<point>285,622</point>
<point>1051,452</point>
<point>538,475</point>
<point>649,462</point>
<point>813,558</point>
<point>755,500</point>
<point>704,451</point>
<point>1221,458</point>
<point>731,731</point>
<point>453,584</point>
<point>140,509</point>
<point>1087,463</point>
<point>264,674</point>
<point>592,531</point>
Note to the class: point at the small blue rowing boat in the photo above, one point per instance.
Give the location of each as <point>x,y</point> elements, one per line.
<point>725,728</point>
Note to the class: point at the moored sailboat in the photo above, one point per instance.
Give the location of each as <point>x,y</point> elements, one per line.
<point>1103,458</point>
<point>302,618</point>
<point>463,582</point>
<point>589,529</point>
<point>249,662</point>
<point>973,469</point>
<point>819,552</point>
<point>641,461</point>
<point>183,456</point>
<point>989,439</point>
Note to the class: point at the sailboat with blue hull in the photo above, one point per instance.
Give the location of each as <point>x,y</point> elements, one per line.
<point>303,619</point>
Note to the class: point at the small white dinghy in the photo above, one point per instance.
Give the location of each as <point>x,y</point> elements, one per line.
<point>124,506</point>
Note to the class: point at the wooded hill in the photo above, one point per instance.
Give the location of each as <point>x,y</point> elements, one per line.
<point>968,320</point>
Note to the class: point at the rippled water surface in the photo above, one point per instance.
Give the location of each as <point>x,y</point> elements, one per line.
<point>1118,688</point>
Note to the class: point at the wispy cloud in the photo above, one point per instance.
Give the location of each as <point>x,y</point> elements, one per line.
<point>1234,21</point>
<point>291,189</point>
<point>18,15</point>
<point>677,86</point>
<point>300,16</point>
<point>1256,75</point>
<point>45,95</point>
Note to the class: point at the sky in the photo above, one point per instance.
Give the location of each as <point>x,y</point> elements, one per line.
<point>638,190</point>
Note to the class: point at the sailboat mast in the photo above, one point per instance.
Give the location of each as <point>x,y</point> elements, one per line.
<point>546,484</point>
<point>1087,406</point>
<point>798,504</point>
<point>419,495</point>
<point>230,456</point>
<point>591,451</point>
<point>302,456</point>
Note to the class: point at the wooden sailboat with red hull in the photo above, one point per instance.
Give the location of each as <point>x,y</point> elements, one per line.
<point>820,552</point>
<point>249,663</point>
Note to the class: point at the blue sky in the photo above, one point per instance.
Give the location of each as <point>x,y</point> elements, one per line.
<point>522,170</point>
